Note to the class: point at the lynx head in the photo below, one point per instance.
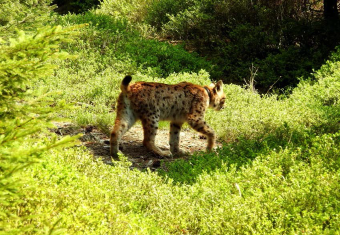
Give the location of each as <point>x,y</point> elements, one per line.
<point>217,95</point>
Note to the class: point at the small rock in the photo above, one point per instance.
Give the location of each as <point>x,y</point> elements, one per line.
<point>150,163</point>
<point>109,163</point>
<point>133,160</point>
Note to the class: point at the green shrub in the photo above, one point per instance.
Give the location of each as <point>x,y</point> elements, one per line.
<point>284,43</point>
<point>163,58</point>
<point>23,15</point>
<point>97,21</point>
<point>322,97</point>
<point>133,10</point>
<point>25,114</point>
<point>115,40</point>
<point>160,12</point>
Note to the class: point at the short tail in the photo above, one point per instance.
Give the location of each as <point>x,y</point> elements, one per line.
<point>125,83</point>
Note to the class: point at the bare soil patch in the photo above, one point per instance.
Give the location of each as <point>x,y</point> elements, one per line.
<point>131,145</point>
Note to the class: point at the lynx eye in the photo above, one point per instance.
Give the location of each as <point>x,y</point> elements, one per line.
<point>222,102</point>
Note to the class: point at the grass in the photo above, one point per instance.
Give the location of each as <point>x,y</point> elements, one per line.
<point>289,190</point>
<point>278,172</point>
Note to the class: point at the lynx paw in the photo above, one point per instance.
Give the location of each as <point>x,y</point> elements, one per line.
<point>115,155</point>
<point>180,153</point>
<point>165,154</point>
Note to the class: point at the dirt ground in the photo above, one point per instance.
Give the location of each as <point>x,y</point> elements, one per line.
<point>131,145</point>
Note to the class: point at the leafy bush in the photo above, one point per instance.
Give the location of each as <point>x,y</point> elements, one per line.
<point>164,59</point>
<point>114,39</point>
<point>133,10</point>
<point>97,21</point>
<point>322,95</point>
<point>160,12</point>
<point>25,113</point>
<point>284,41</point>
<point>19,15</point>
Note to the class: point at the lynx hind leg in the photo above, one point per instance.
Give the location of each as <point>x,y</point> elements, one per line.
<point>175,129</point>
<point>201,126</point>
<point>124,121</point>
<point>150,127</point>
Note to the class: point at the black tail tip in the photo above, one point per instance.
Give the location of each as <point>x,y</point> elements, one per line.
<point>126,80</point>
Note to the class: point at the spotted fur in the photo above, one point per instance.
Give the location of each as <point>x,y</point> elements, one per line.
<point>151,102</point>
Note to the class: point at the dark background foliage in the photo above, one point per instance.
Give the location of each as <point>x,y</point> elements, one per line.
<point>283,40</point>
<point>75,6</point>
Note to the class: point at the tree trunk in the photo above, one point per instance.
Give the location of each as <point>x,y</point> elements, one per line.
<point>330,9</point>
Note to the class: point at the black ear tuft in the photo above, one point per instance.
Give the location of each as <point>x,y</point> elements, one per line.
<point>126,80</point>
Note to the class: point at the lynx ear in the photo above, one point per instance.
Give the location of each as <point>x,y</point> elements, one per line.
<point>212,85</point>
<point>219,86</point>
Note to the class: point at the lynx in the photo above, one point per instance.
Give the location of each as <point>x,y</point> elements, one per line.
<point>151,102</point>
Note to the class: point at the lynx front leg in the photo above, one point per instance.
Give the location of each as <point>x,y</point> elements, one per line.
<point>201,126</point>
<point>175,129</point>
<point>150,130</point>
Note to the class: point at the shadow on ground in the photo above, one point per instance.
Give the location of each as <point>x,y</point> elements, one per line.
<point>131,145</point>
